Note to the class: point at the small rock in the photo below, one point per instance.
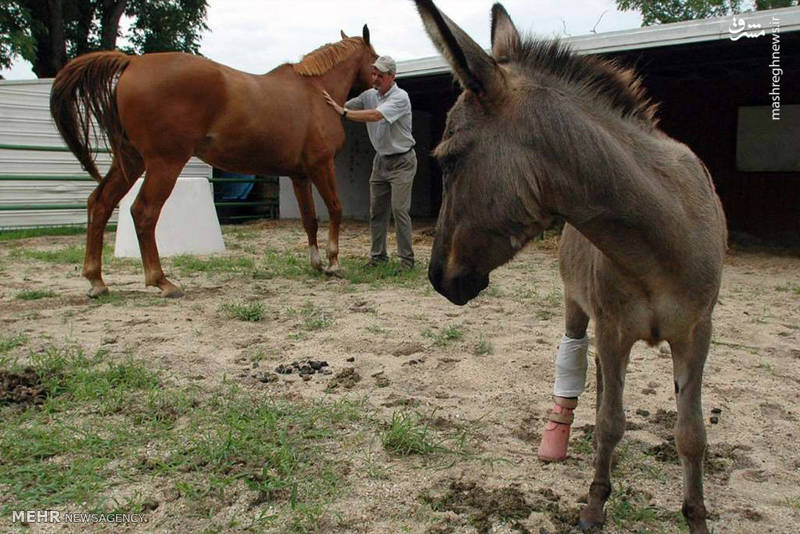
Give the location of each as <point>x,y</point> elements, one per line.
<point>648,391</point>
<point>653,385</point>
<point>716,410</point>
<point>317,365</point>
<point>381,382</point>
<point>643,413</point>
<point>305,378</point>
<point>714,420</point>
<point>351,359</point>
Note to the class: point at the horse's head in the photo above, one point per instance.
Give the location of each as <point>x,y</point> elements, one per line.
<point>367,58</point>
<point>490,205</point>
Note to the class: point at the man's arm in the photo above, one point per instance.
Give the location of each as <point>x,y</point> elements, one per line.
<point>357,115</point>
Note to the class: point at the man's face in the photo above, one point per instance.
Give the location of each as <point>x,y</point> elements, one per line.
<point>381,81</point>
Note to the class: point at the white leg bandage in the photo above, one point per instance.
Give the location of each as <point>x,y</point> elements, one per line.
<point>571,364</point>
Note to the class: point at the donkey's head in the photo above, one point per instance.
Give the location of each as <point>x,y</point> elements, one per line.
<point>490,206</point>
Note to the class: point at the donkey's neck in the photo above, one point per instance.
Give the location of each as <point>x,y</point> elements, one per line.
<point>623,208</point>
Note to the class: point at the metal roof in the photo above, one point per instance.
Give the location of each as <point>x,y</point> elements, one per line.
<point>677,33</point>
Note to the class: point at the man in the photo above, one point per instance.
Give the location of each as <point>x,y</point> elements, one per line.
<point>386,110</point>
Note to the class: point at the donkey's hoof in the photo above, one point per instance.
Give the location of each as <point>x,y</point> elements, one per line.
<point>586,526</point>
<point>97,291</point>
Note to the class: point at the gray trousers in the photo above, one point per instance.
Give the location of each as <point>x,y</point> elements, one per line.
<point>390,194</point>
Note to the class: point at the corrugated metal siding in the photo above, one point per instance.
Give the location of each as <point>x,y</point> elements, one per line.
<point>25,121</point>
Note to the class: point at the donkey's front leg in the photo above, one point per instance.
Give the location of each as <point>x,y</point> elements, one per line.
<point>688,359</point>
<point>610,423</point>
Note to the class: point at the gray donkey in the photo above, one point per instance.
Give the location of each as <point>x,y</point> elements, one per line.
<point>540,131</point>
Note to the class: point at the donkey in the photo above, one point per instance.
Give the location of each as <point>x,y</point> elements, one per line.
<point>539,131</point>
<point>158,110</point>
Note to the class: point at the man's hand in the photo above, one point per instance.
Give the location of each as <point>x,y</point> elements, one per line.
<point>339,109</point>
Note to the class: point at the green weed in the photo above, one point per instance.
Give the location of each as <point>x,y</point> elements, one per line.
<point>35,294</point>
<point>243,311</point>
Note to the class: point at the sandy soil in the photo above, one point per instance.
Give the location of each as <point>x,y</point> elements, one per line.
<point>497,377</point>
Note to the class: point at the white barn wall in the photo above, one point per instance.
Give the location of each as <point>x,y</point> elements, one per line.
<point>25,120</point>
<point>353,166</point>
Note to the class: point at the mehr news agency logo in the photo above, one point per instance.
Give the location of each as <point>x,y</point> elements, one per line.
<point>55,516</point>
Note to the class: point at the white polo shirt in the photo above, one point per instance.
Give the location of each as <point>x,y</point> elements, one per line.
<point>392,134</point>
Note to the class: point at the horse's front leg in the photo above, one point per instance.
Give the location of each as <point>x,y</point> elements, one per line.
<point>305,202</point>
<point>688,359</point>
<point>325,181</point>
<point>610,424</point>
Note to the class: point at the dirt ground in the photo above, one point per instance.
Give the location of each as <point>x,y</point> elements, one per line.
<point>493,375</point>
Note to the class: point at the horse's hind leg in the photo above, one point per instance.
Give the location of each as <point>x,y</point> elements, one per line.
<point>158,184</point>
<point>305,202</point>
<point>688,359</point>
<point>100,205</point>
<point>610,424</point>
<point>325,181</point>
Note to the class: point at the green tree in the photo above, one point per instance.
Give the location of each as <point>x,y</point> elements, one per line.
<point>663,11</point>
<point>50,32</point>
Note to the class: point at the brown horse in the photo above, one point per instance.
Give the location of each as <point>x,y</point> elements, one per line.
<point>540,131</point>
<point>158,110</point>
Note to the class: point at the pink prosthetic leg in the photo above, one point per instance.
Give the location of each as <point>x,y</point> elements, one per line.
<point>556,431</point>
<point>570,379</point>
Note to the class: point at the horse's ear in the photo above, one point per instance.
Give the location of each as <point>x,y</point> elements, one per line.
<point>344,35</point>
<point>505,37</point>
<point>365,34</point>
<point>474,68</point>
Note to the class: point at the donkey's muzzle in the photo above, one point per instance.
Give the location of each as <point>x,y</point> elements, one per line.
<point>458,289</point>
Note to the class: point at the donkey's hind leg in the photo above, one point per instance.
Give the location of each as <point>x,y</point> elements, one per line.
<point>158,184</point>
<point>305,202</point>
<point>613,352</point>
<point>688,359</point>
<point>100,205</point>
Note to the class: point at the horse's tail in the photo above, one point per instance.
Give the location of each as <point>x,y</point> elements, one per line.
<point>86,87</point>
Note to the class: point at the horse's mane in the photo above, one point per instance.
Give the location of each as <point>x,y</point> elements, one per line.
<point>620,87</point>
<point>327,56</point>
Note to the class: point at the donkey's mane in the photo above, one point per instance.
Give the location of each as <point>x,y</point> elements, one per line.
<point>620,87</point>
<point>327,56</point>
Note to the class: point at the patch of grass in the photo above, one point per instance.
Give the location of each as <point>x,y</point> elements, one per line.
<point>544,315</point>
<point>9,235</point>
<point>243,311</point>
<point>483,346</point>
<point>35,294</point>
<point>11,341</point>
<point>387,274</point>
<point>313,318</point>
<point>68,255</point>
<point>631,511</point>
<point>792,502</point>
<point>79,446</point>
<point>407,434</point>
<point>790,288</point>
<point>376,329</point>
<point>187,264</point>
<point>444,337</point>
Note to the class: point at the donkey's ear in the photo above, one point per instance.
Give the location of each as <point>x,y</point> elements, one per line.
<point>365,34</point>
<point>505,37</point>
<point>474,68</point>
<point>344,35</point>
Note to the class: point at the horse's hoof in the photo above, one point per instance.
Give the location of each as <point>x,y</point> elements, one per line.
<point>95,292</point>
<point>173,292</point>
<point>336,271</point>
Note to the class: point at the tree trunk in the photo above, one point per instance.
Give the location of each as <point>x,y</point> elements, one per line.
<point>109,24</point>
<point>51,47</point>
